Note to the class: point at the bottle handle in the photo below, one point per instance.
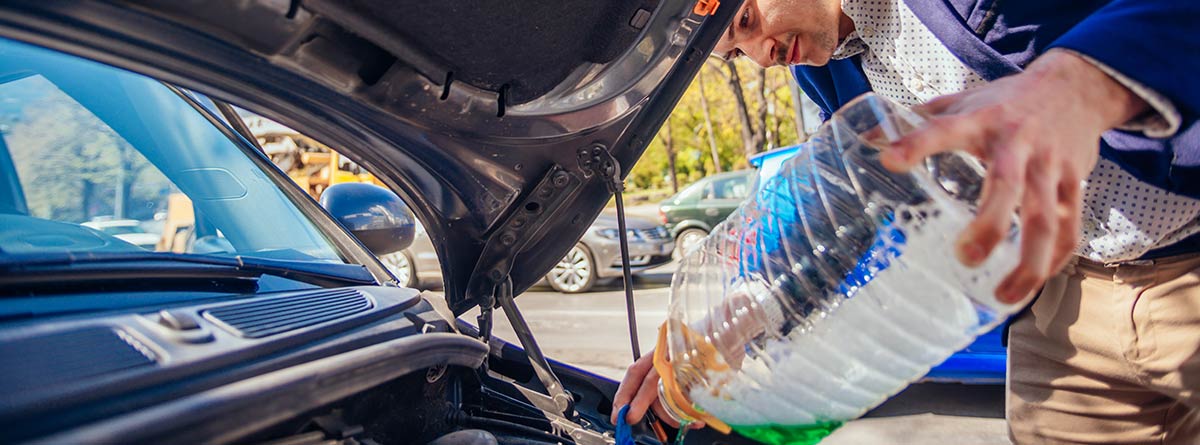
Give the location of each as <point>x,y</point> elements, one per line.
<point>674,401</point>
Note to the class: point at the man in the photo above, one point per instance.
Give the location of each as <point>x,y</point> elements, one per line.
<point>1110,350</point>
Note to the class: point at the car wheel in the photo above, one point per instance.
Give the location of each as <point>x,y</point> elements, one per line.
<point>688,239</point>
<point>575,273</point>
<point>402,267</point>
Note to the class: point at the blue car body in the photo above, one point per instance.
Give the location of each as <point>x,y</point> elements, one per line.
<point>981,362</point>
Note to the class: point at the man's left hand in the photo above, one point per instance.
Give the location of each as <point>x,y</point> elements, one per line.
<point>1038,134</point>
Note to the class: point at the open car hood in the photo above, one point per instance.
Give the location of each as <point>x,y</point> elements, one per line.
<point>491,119</point>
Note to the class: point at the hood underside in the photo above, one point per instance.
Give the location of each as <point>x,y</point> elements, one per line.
<point>491,119</point>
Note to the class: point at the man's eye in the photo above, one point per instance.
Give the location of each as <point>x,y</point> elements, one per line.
<point>745,20</point>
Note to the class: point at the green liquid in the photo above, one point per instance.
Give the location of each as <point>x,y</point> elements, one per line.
<point>789,435</point>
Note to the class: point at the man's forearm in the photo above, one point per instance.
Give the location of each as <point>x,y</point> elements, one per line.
<point>1114,103</point>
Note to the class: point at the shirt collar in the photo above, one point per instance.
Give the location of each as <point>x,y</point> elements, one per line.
<point>853,44</point>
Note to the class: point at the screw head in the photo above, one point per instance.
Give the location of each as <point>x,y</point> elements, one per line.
<point>561,179</point>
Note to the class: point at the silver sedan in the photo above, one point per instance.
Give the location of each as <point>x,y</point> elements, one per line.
<point>596,256</point>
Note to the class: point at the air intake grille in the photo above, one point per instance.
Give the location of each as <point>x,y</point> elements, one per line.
<point>263,318</point>
<point>658,233</point>
<point>65,357</point>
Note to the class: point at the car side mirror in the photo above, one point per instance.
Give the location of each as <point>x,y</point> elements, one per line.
<point>375,215</point>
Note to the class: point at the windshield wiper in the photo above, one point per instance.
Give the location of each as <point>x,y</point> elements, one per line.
<point>23,269</point>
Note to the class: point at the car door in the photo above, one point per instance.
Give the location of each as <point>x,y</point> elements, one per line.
<point>690,206</point>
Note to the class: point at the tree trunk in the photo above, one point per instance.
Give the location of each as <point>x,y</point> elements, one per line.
<point>798,103</point>
<point>122,185</point>
<point>777,136</point>
<point>131,169</point>
<point>669,145</point>
<point>760,128</point>
<point>743,110</point>
<point>753,136</point>
<point>85,199</point>
<point>712,141</point>
<point>126,196</point>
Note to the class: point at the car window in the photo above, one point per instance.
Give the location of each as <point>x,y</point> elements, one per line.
<point>107,160</point>
<point>730,188</point>
<point>693,192</point>
<point>315,167</point>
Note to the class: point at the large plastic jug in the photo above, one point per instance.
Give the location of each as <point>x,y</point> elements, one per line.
<point>831,289</point>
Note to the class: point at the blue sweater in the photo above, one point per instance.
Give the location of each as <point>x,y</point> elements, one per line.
<point>1150,41</point>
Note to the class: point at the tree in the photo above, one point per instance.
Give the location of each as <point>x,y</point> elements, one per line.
<point>754,127</point>
<point>668,142</point>
<point>72,166</point>
<point>798,113</point>
<point>712,141</point>
<point>710,126</point>
<point>758,132</point>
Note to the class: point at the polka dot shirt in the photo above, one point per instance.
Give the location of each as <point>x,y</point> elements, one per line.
<point>1123,217</point>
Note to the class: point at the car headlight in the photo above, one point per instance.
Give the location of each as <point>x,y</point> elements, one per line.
<point>662,232</point>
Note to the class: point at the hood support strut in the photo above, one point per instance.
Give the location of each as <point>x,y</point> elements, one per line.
<point>562,399</point>
<point>596,160</point>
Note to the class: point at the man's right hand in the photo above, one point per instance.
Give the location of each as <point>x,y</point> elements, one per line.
<point>639,389</point>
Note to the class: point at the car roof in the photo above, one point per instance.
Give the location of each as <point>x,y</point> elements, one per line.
<point>724,175</point>
<point>757,160</point>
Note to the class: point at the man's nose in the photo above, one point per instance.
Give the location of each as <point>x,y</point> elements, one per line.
<point>763,52</point>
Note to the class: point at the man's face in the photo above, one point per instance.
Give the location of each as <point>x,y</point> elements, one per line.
<point>785,32</point>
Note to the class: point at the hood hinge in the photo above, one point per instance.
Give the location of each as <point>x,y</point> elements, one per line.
<point>524,223</point>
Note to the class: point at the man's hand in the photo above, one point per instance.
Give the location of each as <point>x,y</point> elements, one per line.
<point>639,389</point>
<point>1038,133</point>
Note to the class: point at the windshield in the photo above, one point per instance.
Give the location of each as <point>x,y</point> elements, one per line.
<point>97,160</point>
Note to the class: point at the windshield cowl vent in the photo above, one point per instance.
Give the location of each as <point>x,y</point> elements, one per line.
<point>35,363</point>
<point>263,318</point>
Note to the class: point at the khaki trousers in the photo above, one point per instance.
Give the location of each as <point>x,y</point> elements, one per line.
<point>1109,354</point>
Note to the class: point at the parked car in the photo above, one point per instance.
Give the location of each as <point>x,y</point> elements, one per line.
<point>270,320</point>
<point>981,362</point>
<point>596,256</point>
<point>691,214</point>
<point>130,230</point>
